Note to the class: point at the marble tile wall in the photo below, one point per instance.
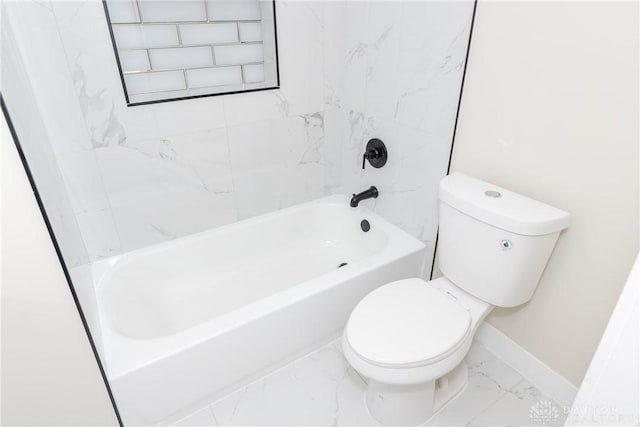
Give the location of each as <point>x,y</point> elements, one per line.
<point>349,71</point>
<point>395,73</point>
<point>19,90</point>
<point>145,174</point>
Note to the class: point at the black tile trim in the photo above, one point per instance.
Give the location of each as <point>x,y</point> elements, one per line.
<point>455,126</point>
<point>56,246</point>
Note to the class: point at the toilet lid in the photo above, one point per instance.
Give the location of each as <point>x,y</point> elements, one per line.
<point>406,322</point>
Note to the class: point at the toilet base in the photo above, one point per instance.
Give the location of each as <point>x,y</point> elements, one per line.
<point>413,404</point>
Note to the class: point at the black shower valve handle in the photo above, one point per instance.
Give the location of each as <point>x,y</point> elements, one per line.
<point>376,153</point>
<point>371,154</point>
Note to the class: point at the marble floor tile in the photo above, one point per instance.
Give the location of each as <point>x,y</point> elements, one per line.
<point>321,389</point>
<point>522,405</point>
<point>489,378</point>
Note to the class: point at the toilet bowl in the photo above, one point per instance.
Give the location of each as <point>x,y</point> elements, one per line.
<point>406,335</point>
<point>409,337</point>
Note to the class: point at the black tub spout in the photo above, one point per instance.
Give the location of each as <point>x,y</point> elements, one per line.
<point>371,193</point>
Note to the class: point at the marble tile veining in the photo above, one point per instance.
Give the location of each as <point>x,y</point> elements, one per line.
<point>349,71</point>
<point>321,389</point>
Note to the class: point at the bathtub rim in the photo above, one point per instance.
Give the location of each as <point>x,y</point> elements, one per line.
<point>124,354</point>
<point>102,269</point>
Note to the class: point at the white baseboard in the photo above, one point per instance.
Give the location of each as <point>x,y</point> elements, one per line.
<point>549,382</point>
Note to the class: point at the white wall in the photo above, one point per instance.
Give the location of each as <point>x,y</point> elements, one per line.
<point>49,373</point>
<point>610,392</point>
<point>550,110</point>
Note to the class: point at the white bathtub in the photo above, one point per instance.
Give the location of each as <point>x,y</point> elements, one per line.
<point>187,321</point>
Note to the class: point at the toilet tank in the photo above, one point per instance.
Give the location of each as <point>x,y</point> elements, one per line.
<point>494,243</point>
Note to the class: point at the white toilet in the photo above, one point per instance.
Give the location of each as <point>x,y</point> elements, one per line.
<point>409,337</point>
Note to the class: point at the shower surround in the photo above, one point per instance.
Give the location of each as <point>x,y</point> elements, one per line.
<point>138,176</point>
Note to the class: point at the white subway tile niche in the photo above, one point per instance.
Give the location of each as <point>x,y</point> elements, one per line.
<point>171,50</point>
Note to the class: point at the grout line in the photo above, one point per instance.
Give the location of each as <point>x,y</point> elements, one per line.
<point>206,10</point>
<point>213,22</point>
<point>166,70</point>
<point>186,80</point>
<point>139,12</point>
<point>200,92</point>
<point>502,395</point>
<point>150,65</point>
<point>179,46</point>
<point>179,33</point>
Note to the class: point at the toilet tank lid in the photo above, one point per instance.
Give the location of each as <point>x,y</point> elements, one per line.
<point>500,207</point>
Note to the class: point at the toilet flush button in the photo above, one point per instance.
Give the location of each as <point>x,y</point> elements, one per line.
<point>492,193</point>
<point>506,244</point>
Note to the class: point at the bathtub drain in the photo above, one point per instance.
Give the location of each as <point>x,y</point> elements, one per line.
<point>342,264</point>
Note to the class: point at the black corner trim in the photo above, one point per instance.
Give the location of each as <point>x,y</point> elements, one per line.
<point>455,126</point>
<point>45,217</point>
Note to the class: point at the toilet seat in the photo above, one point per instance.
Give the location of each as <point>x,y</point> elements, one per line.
<point>406,324</point>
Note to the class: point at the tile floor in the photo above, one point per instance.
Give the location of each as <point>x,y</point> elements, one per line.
<point>321,389</point>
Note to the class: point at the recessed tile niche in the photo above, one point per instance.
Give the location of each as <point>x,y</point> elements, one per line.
<point>170,50</point>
